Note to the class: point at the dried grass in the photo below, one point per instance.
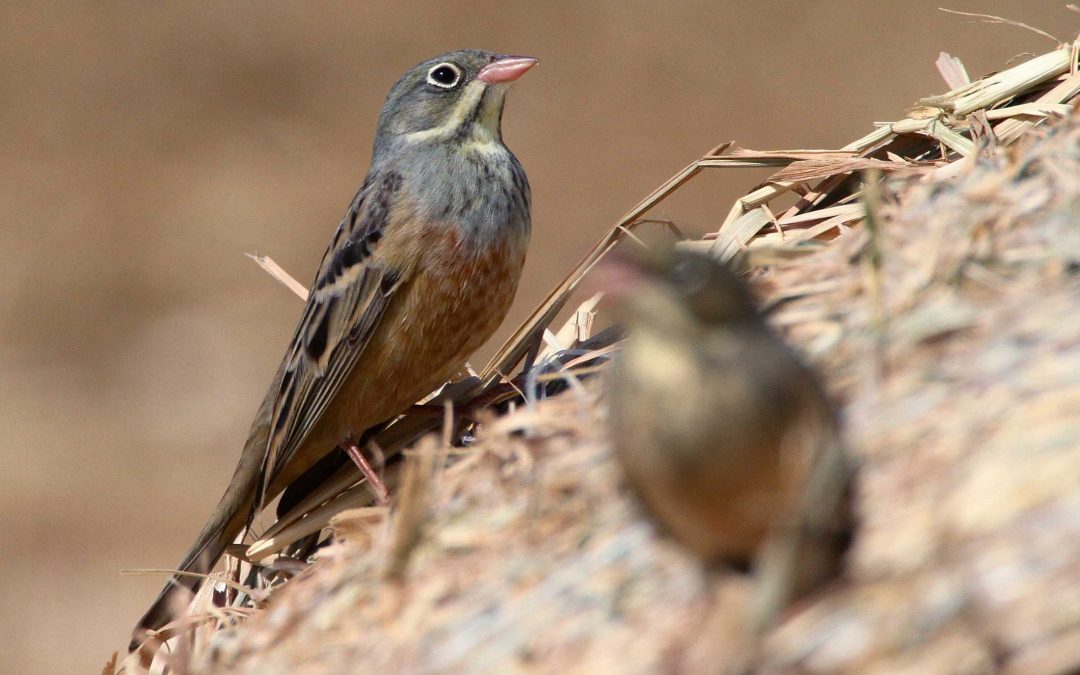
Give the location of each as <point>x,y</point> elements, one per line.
<point>928,271</point>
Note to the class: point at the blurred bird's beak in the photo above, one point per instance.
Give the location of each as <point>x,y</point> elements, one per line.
<point>505,69</point>
<point>620,276</point>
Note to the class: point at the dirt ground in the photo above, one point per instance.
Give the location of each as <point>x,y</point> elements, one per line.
<point>145,147</point>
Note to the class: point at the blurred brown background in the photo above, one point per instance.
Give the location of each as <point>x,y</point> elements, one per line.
<point>144,147</point>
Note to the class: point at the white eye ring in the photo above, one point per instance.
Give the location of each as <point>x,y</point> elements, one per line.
<point>437,76</point>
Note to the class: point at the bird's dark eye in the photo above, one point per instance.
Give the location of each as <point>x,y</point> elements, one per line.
<point>444,76</point>
<point>691,273</point>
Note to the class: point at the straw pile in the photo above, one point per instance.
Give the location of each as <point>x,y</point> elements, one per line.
<point>928,270</point>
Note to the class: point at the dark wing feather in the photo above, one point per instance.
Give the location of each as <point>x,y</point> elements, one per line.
<point>350,293</point>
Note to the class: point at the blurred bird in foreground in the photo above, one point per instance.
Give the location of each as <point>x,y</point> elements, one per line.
<point>420,272</point>
<point>725,434</point>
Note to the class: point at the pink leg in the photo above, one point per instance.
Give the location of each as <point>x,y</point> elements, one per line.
<point>357,456</point>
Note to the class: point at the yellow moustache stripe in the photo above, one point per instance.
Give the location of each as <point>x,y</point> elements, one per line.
<point>470,98</point>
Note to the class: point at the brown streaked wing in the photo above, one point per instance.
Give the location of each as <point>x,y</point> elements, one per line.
<point>349,296</point>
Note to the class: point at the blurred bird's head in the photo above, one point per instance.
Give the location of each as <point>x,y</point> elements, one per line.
<point>456,97</point>
<point>678,287</point>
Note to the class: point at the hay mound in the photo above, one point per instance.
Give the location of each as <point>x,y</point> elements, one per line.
<point>940,313</point>
<point>959,362</point>
<point>531,555</point>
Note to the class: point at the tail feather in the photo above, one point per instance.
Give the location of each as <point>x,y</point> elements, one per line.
<point>232,515</point>
<point>807,551</point>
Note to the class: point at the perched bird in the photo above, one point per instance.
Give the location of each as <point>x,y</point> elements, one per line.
<point>725,434</point>
<point>422,269</point>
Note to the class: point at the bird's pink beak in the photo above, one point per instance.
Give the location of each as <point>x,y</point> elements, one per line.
<point>620,276</point>
<point>505,69</point>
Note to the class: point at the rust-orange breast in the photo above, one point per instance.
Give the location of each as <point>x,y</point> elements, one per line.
<point>458,293</point>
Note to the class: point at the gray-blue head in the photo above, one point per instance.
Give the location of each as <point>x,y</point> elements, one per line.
<point>456,96</point>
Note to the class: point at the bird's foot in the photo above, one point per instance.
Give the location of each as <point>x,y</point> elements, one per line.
<point>356,454</point>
